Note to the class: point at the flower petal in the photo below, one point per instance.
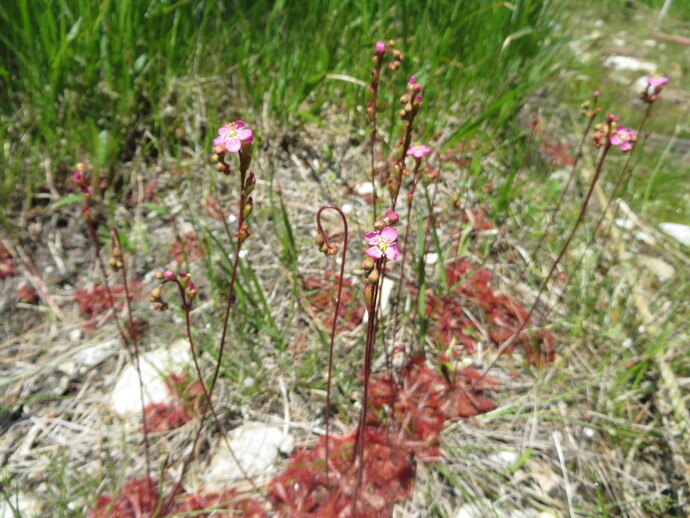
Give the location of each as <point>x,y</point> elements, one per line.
<point>374,252</point>
<point>392,253</point>
<point>372,238</point>
<point>389,234</point>
<point>233,145</point>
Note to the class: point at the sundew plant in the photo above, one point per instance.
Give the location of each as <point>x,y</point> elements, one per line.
<point>431,312</point>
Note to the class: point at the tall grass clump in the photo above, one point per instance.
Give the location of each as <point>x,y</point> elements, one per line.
<point>101,78</point>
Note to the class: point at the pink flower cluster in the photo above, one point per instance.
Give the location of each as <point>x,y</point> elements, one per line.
<point>624,138</point>
<point>232,135</point>
<point>382,244</point>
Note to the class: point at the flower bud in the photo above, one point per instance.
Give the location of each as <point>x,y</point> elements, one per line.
<point>319,240</point>
<point>373,276</point>
<point>155,294</point>
<point>367,294</point>
<point>379,224</point>
<point>250,183</point>
<point>221,168</point>
<point>245,155</point>
<point>367,263</point>
<point>219,150</point>
<point>159,275</point>
<point>248,208</point>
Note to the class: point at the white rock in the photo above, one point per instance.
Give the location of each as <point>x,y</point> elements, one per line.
<point>431,258</point>
<point>629,64</point>
<point>479,509</point>
<point>155,365</point>
<point>21,503</point>
<point>75,335</point>
<point>624,223</point>
<point>649,43</point>
<point>96,354</point>
<point>677,231</point>
<point>658,267</point>
<point>504,458</point>
<point>386,290</point>
<point>255,445</point>
<point>364,188</point>
<point>347,208</point>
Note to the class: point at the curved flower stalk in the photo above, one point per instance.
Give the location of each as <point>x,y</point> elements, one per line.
<point>331,249</point>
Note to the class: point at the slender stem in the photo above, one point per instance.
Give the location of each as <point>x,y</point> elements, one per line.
<point>231,298</point>
<point>133,336</point>
<point>335,315</point>
<point>580,218</point>
<point>571,176</point>
<point>625,173</point>
<point>368,355</point>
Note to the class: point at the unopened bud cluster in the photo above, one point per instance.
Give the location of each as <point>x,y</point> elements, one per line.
<point>324,246</point>
<point>411,99</point>
<point>182,279</point>
<point>115,261</point>
<point>590,108</point>
<point>380,51</point>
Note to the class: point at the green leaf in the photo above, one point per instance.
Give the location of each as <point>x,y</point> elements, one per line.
<point>68,200</point>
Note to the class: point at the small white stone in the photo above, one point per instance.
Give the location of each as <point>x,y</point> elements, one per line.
<point>243,253</point>
<point>431,258</point>
<point>75,335</point>
<point>504,458</point>
<point>364,188</point>
<point>255,445</point>
<point>347,208</point>
<point>599,23</point>
<point>629,64</point>
<point>627,343</point>
<point>155,365</point>
<point>649,43</point>
<point>22,504</point>
<point>658,267</point>
<point>481,508</point>
<point>677,231</point>
<point>248,382</point>
<point>97,353</point>
<point>625,224</point>
<point>231,218</point>
<point>588,432</point>
<point>386,290</point>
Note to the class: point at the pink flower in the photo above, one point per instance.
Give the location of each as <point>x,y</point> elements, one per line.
<point>418,151</point>
<point>232,134</point>
<point>657,81</point>
<point>382,244</point>
<point>624,138</point>
<point>380,48</point>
